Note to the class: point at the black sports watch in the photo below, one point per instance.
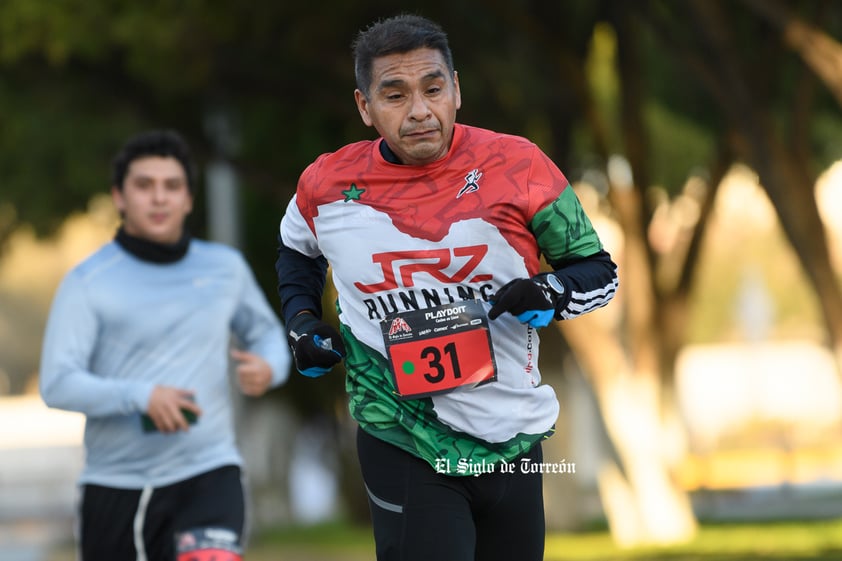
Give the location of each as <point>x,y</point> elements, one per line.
<point>554,284</point>
<point>553,289</point>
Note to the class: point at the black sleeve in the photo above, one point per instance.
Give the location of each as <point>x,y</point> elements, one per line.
<point>301,280</point>
<point>589,283</point>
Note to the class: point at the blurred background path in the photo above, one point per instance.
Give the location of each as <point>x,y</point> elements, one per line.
<point>40,459</point>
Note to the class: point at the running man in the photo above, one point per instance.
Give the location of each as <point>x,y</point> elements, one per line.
<point>433,233</point>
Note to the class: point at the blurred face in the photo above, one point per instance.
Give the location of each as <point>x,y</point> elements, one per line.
<point>412,104</point>
<point>154,200</point>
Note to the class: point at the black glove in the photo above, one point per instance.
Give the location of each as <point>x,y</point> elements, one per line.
<point>533,301</point>
<point>315,345</point>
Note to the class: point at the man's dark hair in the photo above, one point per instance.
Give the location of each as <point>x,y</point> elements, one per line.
<point>398,34</point>
<point>164,143</point>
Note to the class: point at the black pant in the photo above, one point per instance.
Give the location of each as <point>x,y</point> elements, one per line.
<point>133,524</point>
<point>419,514</point>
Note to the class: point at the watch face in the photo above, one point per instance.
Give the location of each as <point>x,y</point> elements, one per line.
<point>555,284</point>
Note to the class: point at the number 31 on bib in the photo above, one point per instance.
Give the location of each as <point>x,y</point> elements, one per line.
<point>438,350</point>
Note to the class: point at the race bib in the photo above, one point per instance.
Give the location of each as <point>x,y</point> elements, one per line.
<point>437,350</point>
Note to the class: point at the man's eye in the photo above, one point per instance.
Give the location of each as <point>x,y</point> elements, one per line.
<point>434,90</point>
<point>394,96</point>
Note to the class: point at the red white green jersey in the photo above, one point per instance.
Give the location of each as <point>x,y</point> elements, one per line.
<point>401,238</point>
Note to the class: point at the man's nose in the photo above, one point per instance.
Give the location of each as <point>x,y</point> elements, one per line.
<point>159,192</point>
<point>419,109</point>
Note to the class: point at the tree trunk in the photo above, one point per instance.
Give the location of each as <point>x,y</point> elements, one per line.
<point>641,501</point>
<point>785,173</point>
<point>820,52</point>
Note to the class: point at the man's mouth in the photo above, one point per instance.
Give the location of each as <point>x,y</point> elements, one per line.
<point>421,134</point>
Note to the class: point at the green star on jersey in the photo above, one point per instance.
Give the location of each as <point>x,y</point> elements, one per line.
<point>353,194</point>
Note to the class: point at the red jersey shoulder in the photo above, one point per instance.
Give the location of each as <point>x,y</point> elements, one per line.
<point>333,176</point>
<point>518,155</point>
<point>495,166</point>
<point>349,161</point>
<point>485,143</point>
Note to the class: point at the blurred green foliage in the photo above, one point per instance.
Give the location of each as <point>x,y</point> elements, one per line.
<point>77,77</point>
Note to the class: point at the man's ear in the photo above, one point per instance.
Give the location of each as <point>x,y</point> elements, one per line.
<point>191,198</point>
<point>362,107</point>
<point>117,199</point>
<point>458,91</point>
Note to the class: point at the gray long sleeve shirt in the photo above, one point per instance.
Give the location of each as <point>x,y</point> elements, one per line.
<point>120,325</point>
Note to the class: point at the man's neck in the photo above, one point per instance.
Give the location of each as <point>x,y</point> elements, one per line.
<point>154,252</point>
<point>387,153</point>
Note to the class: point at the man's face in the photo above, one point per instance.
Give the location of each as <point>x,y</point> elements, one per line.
<point>412,104</point>
<point>155,199</point>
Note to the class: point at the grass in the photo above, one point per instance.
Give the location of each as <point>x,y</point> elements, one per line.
<point>324,542</point>
<point>795,540</point>
<point>768,541</point>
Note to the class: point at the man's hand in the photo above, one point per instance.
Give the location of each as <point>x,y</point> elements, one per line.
<point>165,408</point>
<point>254,374</point>
<point>532,301</point>
<point>316,346</point>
